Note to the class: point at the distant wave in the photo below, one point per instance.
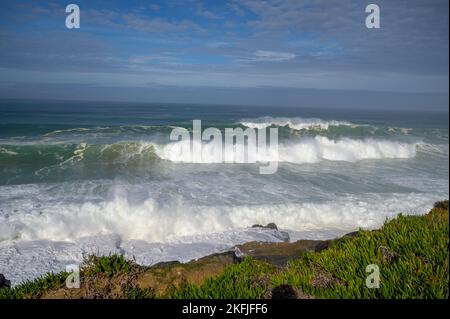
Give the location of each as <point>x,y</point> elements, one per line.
<point>99,131</point>
<point>295,123</point>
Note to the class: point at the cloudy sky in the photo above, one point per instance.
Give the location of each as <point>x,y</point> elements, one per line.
<point>230,51</point>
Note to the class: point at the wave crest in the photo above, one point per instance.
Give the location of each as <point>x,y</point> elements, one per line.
<point>295,123</point>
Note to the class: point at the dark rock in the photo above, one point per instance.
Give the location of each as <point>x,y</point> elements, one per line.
<point>4,283</point>
<point>306,245</point>
<point>166,264</point>
<point>284,292</point>
<point>287,292</point>
<point>284,236</point>
<point>227,257</point>
<point>441,205</point>
<point>278,254</point>
<point>268,226</point>
<point>387,255</point>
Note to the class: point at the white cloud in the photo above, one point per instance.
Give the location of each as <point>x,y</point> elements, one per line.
<point>207,14</point>
<point>273,56</point>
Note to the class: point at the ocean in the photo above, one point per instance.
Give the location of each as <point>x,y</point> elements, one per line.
<point>78,178</point>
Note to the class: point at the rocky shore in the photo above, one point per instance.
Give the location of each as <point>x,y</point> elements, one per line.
<point>414,246</point>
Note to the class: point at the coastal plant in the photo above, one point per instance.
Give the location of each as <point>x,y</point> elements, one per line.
<point>108,265</point>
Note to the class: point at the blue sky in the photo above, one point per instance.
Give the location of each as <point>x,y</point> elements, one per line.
<point>187,50</point>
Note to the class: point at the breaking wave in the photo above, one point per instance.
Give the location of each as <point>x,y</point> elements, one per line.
<point>295,123</point>
<point>304,150</point>
<point>155,222</point>
<point>307,150</point>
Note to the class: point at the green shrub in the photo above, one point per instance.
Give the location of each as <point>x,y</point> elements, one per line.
<point>108,265</point>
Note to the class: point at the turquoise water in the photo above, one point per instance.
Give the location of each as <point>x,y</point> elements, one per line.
<point>76,176</point>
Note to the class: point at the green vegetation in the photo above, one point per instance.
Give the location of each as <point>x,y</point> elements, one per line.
<point>96,272</point>
<point>411,253</point>
<point>35,288</point>
<point>108,265</point>
<point>415,265</point>
<point>248,279</point>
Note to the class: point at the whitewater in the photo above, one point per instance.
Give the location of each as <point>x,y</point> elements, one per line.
<point>77,179</point>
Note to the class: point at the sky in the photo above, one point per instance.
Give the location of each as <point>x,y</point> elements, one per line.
<point>288,52</point>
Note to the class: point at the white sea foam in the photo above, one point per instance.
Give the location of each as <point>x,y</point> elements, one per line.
<point>295,123</point>
<point>155,222</point>
<point>152,233</point>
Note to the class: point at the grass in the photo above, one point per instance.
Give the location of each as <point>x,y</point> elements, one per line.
<point>410,251</point>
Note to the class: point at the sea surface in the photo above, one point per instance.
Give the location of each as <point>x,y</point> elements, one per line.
<point>99,177</point>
